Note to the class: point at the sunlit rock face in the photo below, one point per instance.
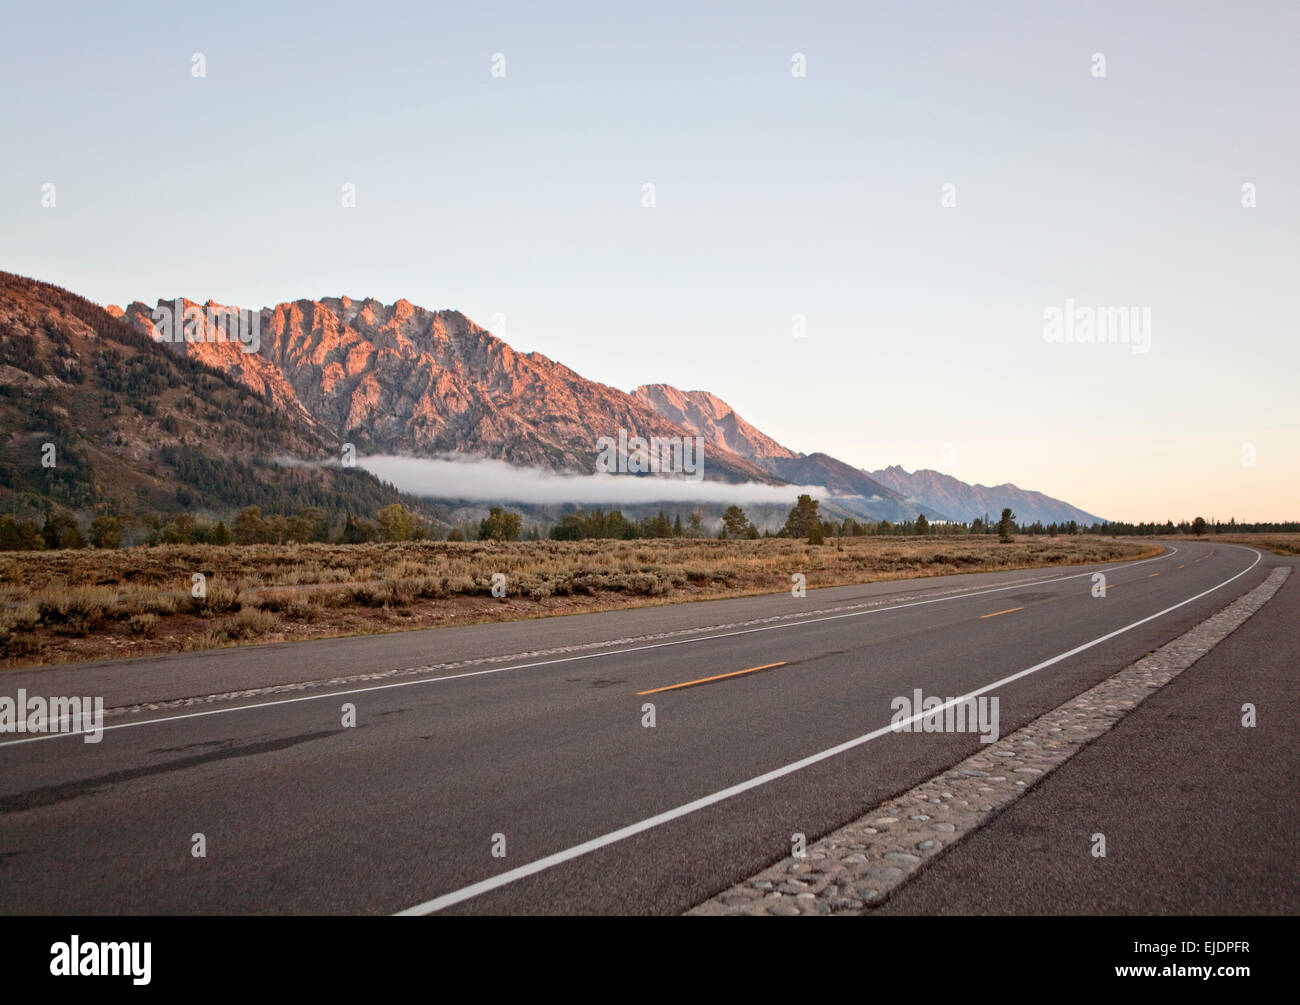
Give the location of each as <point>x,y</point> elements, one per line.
<point>401,379</point>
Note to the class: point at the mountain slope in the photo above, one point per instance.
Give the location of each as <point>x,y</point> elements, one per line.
<point>965,502</point>
<point>709,416</point>
<point>856,490</point>
<point>400,379</point>
<point>133,427</point>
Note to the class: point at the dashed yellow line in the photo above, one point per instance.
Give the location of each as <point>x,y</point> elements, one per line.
<point>996,613</point>
<point>705,680</point>
<point>1153,574</point>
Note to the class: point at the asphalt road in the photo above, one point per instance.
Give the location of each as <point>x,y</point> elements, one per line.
<point>547,754</point>
<point>1200,814</point>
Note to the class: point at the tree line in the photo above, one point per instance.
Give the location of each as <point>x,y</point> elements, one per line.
<point>394,522</point>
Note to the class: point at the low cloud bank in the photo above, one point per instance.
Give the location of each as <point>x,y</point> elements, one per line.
<point>499,481</point>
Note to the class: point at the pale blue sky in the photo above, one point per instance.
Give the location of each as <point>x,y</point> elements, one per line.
<point>775,196</point>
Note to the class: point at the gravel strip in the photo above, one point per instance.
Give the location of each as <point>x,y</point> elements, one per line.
<point>856,867</point>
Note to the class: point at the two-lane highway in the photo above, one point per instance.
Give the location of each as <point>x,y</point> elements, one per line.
<point>538,785</point>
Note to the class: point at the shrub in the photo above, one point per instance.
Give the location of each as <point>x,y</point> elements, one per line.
<point>209,638</point>
<point>401,591</point>
<point>74,611</point>
<point>368,595</point>
<point>249,623</point>
<point>588,584</point>
<point>138,601</point>
<point>430,587</point>
<point>142,624</point>
<point>218,600</point>
<point>540,590</point>
<point>642,584</point>
<point>22,618</point>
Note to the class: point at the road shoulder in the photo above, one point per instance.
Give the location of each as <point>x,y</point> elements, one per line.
<point>965,842</point>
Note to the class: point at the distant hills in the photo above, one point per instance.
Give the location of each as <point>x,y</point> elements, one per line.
<point>951,495</point>
<point>139,423</point>
<point>890,493</point>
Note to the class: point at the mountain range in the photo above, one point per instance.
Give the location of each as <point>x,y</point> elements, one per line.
<point>937,495</point>
<point>951,495</point>
<point>144,420</point>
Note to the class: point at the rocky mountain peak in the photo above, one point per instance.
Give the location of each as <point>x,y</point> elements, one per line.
<point>403,379</point>
<point>709,416</point>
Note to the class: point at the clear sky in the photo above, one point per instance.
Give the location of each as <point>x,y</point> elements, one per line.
<point>775,195</point>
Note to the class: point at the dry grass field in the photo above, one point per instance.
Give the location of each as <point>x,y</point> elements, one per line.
<point>1278,543</point>
<point>65,606</point>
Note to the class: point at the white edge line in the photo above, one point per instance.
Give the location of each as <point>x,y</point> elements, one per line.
<point>572,659</point>
<point>541,864</point>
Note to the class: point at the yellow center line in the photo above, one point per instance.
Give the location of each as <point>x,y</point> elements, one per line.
<point>996,613</point>
<point>705,680</point>
<point>1183,566</point>
<point>1153,574</point>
